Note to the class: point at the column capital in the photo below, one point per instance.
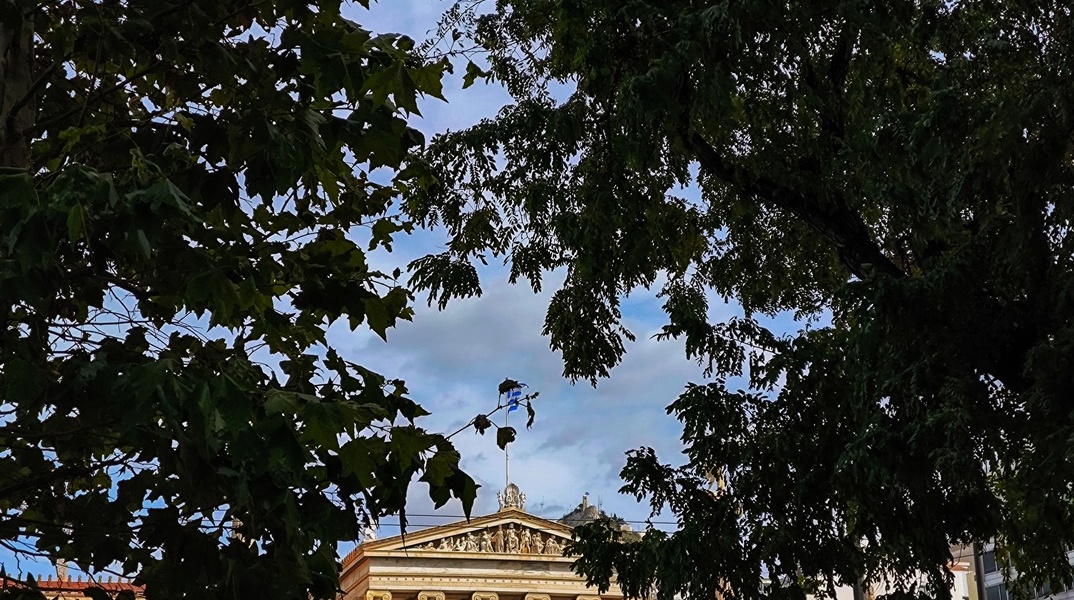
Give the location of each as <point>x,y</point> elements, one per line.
<point>485,596</point>
<point>427,595</point>
<point>378,595</point>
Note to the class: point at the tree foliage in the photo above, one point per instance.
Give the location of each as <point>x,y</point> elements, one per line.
<point>185,206</point>
<point>897,175</point>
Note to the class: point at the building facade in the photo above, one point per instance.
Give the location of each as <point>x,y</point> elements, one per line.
<point>508,555</point>
<point>991,575</point>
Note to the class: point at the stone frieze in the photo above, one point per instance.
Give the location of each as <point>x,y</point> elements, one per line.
<point>500,539</point>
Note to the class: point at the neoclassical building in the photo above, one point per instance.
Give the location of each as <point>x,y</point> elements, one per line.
<point>508,555</point>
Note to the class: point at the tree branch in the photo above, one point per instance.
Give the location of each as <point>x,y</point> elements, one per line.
<point>60,473</point>
<point>37,128</point>
<point>830,216</point>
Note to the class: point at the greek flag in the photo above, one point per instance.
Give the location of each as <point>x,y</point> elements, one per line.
<point>513,398</point>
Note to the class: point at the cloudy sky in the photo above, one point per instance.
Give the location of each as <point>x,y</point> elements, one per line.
<point>453,360</point>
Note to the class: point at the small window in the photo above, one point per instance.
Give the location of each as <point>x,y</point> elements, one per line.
<point>996,592</point>
<point>989,561</point>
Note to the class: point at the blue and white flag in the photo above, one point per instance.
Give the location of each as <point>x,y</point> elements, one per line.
<point>513,398</point>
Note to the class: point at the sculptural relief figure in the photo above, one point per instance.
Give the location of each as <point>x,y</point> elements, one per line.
<point>552,546</point>
<point>460,543</point>
<point>497,539</point>
<point>471,542</point>
<point>512,539</point>
<point>538,544</point>
<point>524,543</point>
<point>486,541</point>
<point>445,544</point>
<point>428,546</point>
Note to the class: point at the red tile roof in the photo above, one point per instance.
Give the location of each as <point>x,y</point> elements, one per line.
<point>74,584</point>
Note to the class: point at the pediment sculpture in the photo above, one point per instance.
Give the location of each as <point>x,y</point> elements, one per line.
<point>502,539</point>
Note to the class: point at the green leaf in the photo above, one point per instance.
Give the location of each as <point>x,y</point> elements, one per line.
<point>429,80</point>
<point>530,414</point>
<point>472,73</point>
<point>377,316</point>
<point>96,593</point>
<point>482,424</point>
<point>465,489</point>
<point>507,385</point>
<point>280,402</point>
<point>143,243</point>
<point>76,222</point>
<point>504,436</point>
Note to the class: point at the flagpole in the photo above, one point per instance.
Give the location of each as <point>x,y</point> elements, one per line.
<point>507,448</point>
<point>514,398</point>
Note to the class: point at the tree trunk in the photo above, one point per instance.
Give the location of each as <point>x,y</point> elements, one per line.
<point>16,90</point>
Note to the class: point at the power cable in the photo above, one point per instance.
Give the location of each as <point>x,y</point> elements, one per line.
<point>435,516</point>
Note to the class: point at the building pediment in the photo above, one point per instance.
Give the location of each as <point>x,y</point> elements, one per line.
<point>510,533</point>
<point>508,555</point>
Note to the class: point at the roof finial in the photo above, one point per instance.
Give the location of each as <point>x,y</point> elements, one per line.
<point>511,497</point>
<point>369,532</point>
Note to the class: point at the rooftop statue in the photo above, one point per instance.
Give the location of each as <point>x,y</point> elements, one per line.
<point>511,497</point>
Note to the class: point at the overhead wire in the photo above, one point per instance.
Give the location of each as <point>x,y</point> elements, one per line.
<point>440,516</point>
